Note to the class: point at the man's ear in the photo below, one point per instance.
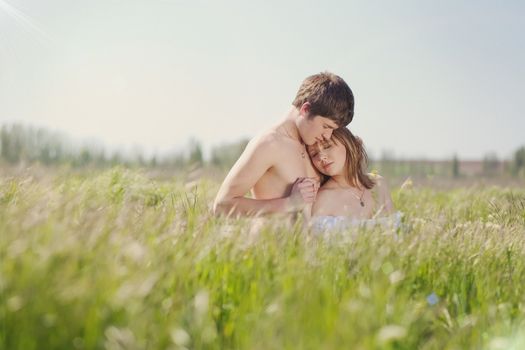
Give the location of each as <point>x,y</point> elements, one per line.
<point>305,109</point>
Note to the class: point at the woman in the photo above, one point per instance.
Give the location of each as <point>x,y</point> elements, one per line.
<point>348,195</point>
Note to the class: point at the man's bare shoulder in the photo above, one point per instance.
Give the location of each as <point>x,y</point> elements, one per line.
<point>270,137</point>
<point>269,141</point>
<point>263,148</point>
<point>260,142</point>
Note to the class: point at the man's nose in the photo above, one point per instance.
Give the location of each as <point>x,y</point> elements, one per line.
<point>327,134</point>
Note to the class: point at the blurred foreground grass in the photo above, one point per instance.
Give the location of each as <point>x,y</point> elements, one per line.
<point>116,260</point>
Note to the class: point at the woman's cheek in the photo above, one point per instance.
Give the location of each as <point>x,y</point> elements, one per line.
<point>318,165</point>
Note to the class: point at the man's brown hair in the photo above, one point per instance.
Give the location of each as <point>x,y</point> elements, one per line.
<point>329,96</point>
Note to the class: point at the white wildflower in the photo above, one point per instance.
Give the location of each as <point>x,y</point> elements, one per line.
<point>180,337</point>
<point>15,303</point>
<point>201,302</point>
<point>396,276</point>
<point>391,332</point>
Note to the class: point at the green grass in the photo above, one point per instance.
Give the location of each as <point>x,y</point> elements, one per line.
<point>119,261</point>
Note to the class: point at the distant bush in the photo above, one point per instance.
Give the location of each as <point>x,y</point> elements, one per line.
<point>519,161</point>
<point>225,155</point>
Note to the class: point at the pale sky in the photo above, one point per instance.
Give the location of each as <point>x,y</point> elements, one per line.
<point>430,78</point>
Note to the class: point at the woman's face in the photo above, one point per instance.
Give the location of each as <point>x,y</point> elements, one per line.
<point>328,157</point>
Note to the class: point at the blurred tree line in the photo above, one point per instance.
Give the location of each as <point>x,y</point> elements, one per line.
<point>489,166</point>
<point>21,144</point>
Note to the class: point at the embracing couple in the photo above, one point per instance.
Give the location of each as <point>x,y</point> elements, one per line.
<point>309,162</point>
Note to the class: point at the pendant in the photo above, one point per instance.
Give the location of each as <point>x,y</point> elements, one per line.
<point>302,154</point>
<point>362,203</point>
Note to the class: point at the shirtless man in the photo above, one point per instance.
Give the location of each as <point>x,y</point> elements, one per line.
<point>275,165</point>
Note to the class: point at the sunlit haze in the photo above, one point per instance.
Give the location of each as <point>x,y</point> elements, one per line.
<point>430,79</point>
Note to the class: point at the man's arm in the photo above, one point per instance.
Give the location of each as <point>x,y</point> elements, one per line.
<point>256,159</point>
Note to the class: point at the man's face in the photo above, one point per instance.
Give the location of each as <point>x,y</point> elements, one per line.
<point>315,129</point>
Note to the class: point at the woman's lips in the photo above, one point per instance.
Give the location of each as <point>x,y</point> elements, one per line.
<point>326,166</point>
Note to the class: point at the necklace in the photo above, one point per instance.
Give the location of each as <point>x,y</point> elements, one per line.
<point>303,147</point>
<point>360,198</point>
<point>361,201</point>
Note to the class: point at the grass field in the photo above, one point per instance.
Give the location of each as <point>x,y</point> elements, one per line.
<point>117,260</point>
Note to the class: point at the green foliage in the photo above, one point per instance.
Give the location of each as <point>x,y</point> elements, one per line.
<point>116,260</point>
<point>519,161</point>
<point>455,166</point>
<point>224,156</point>
<point>195,152</point>
<point>21,144</point>
<point>490,164</point>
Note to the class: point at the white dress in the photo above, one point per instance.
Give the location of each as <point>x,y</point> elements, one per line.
<point>323,224</point>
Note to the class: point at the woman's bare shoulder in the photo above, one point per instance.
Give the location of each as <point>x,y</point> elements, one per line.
<point>324,194</point>
<point>324,201</point>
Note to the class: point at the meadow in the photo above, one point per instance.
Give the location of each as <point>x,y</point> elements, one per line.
<point>118,259</point>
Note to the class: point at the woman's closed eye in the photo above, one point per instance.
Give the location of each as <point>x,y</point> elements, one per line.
<point>326,144</point>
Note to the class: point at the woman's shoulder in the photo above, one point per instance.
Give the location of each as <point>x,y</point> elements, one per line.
<point>326,192</point>
<point>325,200</point>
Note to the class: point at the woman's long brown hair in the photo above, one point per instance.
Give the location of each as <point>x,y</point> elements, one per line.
<point>356,158</point>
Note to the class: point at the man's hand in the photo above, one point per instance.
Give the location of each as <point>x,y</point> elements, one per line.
<point>303,193</point>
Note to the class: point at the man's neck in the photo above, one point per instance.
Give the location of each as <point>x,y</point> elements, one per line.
<point>289,127</point>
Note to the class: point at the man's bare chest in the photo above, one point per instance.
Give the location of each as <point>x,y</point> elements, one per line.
<point>292,164</point>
